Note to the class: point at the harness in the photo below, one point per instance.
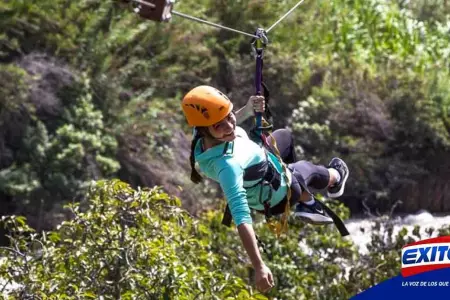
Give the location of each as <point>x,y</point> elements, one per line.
<point>266,175</point>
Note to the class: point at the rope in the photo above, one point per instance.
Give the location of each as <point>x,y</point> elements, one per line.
<point>192,18</point>
<point>148,4</point>
<point>285,15</point>
<point>211,23</point>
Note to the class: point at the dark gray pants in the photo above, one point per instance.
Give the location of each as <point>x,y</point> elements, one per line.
<point>306,176</point>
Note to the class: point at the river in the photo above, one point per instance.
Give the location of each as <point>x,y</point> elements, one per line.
<point>422,218</point>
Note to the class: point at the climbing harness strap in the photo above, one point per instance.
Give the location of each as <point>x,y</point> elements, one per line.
<point>263,172</point>
<point>277,227</point>
<point>258,46</point>
<point>336,220</point>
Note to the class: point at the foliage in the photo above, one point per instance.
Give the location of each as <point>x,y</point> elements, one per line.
<point>129,244</point>
<point>372,62</point>
<point>133,244</point>
<point>365,80</point>
<point>54,166</point>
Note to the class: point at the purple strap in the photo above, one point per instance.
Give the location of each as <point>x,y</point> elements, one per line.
<point>258,80</point>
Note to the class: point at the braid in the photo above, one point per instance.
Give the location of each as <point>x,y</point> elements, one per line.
<point>195,176</point>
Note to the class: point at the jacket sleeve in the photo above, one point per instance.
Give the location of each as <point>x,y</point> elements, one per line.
<point>231,180</point>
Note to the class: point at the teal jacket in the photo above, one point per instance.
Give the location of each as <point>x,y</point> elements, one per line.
<point>226,166</point>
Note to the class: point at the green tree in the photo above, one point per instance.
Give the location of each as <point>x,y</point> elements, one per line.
<point>58,166</point>
<point>140,244</point>
<point>129,244</point>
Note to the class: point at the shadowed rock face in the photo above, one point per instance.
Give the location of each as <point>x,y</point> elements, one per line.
<point>47,79</point>
<point>44,81</point>
<point>140,168</point>
<point>46,85</point>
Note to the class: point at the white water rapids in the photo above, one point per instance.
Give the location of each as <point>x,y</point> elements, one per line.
<point>423,218</point>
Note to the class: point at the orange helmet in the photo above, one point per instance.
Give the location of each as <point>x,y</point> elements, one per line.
<point>204,106</point>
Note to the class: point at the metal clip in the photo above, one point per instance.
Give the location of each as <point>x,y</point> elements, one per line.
<point>260,42</point>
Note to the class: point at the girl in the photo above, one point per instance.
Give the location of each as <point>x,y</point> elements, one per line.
<point>251,176</point>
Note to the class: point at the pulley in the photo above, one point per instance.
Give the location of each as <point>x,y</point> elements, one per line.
<point>154,10</point>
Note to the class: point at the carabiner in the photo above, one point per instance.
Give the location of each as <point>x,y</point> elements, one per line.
<point>258,44</point>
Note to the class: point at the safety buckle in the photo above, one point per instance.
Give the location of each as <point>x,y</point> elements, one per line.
<point>155,10</point>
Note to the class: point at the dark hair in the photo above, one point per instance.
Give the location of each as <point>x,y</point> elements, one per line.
<point>195,176</point>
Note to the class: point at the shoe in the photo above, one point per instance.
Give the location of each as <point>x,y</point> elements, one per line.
<point>338,189</point>
<point>312,214</point>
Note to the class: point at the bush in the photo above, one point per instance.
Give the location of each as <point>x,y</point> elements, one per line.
<point>129,244</point>
<point>139,244</point>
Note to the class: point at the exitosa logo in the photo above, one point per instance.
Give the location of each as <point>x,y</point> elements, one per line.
<point>426,255</point>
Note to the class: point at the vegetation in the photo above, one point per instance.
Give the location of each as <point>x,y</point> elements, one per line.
<point>139,244</point>
<point>91,92</point>
<point>369,78</point>
<point>128,245</point>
